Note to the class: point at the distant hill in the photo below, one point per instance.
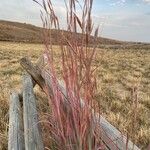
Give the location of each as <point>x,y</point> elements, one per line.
<point>22,32</point>
<point>19,32</point>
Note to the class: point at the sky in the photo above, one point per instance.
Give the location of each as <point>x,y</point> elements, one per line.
<point>127,20</point>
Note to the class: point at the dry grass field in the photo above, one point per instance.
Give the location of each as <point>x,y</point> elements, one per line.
<point>119,71</point>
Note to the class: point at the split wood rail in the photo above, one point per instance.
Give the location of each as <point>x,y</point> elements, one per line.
<point>24,128</point>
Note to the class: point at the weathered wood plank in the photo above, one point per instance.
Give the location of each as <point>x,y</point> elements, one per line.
<point>113,138</point>
<point>40,64</point>
<point>32,132</point>
<point>15,133</point>
<point>34,71</point>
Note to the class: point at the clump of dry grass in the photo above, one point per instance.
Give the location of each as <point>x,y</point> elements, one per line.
<point>72,126</point>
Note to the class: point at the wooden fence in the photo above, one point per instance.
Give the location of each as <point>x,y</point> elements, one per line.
<point>24,127</point>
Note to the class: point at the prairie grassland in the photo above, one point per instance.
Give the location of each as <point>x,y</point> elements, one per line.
<point>119,71</point>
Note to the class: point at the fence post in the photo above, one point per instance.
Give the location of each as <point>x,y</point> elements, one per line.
<point>32,133</point>
<point>15,133</point>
